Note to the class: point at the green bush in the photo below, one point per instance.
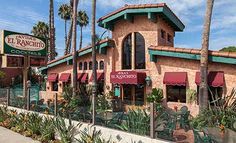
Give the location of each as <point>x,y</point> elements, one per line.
<point>91,135</point>
<point>191,96</point>
<point>156,96</point>
<point>137,121</point>
<point>222,113</point>
<point>66,133</point>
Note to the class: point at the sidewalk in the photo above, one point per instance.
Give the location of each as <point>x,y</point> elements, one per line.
<point>8,136</point>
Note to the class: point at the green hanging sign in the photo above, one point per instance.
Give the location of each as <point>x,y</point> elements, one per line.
<point>22,44</point>
<point>117,91</point>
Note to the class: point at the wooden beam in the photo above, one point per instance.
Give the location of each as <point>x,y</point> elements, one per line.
<point>152,17</point>
<point>128,17</point>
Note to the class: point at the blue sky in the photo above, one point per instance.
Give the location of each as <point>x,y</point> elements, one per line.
<point>21,15</point>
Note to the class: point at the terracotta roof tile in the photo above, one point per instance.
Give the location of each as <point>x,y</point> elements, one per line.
<point>193,51</point>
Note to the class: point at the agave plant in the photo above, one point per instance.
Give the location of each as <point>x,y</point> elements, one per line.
<point>223,112</point>
<point>34,123</point>
<point>20,122</point>
<point>47,130</point>
<point>137,121</point>
<point>91,135</point>
<point>66,133</point>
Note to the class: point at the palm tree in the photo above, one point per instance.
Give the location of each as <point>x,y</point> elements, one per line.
<point>82,21</point>
<point>64,12</point>
<point>93,36</point>
<point>203,90</point>
<point>68,42</point>
<point>52,49</point>
<point>74,33</point>
<point>41,29</point>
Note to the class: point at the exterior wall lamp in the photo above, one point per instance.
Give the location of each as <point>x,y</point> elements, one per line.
<point>148,80</point>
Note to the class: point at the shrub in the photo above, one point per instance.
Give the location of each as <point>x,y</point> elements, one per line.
<point>66,133</point>
<point>156,96</point>
<point>94,136</point>
<point>137,121</point>
<point>222,113</point>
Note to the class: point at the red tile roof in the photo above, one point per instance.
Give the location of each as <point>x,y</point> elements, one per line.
<point>193,51</point>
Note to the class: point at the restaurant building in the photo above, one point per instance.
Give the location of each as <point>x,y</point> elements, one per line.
<point>140,56</point>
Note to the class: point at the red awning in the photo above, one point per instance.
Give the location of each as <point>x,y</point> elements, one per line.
<point>215,78</point>
<point>65,77</point>
<point>52,77</point>
<point>84,78</point>
<point>100,77</point>
<point>175,78</point>
<point>79,77</point>
<point>127,77</point>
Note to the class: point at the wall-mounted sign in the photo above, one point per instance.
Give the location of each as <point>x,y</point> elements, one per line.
<point>127,77</point>
<point>37,62</point>
<point>12,61</point>
<point>22,44</point>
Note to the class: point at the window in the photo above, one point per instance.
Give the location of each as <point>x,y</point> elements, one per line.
<point>90,65</point>
<point>127,95</point>
<point>80,66</point>
<point>176,93</point>
<point>214,93</point>
<point>163,34</point>
<point>100,88</point>
<point>139,95</point>
<point>55,86</point>
<point>85,66</point>
<point>169,38</point>
<point>126,52</point>
<point>101,65</point>
<point>139,51</point>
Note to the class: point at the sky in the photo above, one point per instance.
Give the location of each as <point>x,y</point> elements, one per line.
<point>22,15</point>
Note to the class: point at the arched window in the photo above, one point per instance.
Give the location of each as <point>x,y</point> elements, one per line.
<point>85,66</point>
<point>139,51</point>
<point>101,65</point>
<point>90,65</point>
<point>80,65</point>
<point>126,52</point>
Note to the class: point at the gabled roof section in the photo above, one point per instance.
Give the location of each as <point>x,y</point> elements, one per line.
<point>101,49</point>
<point>192,54</point>
<point>148,9</point>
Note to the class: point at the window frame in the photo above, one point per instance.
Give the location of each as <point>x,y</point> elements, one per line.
<point>80,65</point>
<point>125,65</point>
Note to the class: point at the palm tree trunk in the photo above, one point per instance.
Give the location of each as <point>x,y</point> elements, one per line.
<point>65,32</point>
<point>52,31</point>
<point>81,37</point>
<point>203,90</point>
<point>94,82</point>
<point>74,81</point>
<point>68,43</point>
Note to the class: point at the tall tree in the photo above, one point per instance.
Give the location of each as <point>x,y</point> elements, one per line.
<point>82,21</point>
<point>203,90</point>
<point>94,82</point>
<point>64,12</point>
<point>41,29</point>
<point>52,48</point>
<point>68,42</point>
<point>74,33</point>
